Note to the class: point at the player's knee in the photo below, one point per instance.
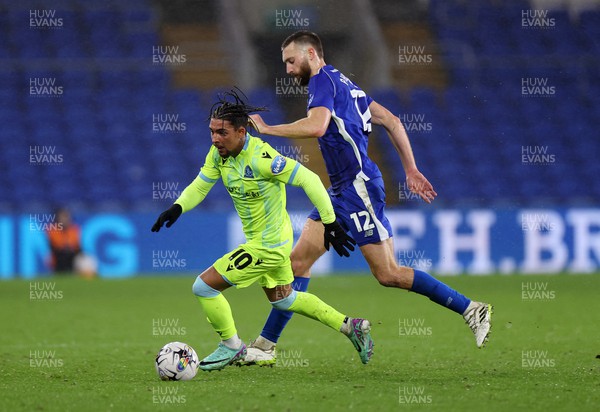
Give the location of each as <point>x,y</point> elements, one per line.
<point>299,266</point>
<point>398,277</point>
<point>285,303</point>
<point>385,279</point>
<point>202,289</point>
<point>384,273</point>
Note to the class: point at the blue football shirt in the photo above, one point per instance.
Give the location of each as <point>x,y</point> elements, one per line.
<point>344,144</point>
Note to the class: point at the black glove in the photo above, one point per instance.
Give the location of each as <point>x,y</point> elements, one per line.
<point>336,235</point>
<point>170,216</point>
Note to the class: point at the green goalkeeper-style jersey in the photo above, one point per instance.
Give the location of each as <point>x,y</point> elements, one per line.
<point>255,180</point>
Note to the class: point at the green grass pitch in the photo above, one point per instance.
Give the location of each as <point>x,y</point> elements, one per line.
<point>90,345</point>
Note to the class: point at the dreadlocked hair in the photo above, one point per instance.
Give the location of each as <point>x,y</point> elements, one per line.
<point>230,106</point>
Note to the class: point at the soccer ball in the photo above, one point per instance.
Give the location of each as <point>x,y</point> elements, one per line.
<point>176,361</point>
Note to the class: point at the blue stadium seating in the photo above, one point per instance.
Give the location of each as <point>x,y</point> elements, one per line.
<point>101,124</point>
<point>484,121</point>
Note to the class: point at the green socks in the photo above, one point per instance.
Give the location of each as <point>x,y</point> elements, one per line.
<point>311,306</point>
<point>218,313</point>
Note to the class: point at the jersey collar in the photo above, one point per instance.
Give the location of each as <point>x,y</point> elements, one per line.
<point>243,149</point>
<point>247,141</point>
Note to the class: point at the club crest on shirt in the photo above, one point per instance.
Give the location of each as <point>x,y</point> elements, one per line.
<point>248,173</point>
<point>278,164</point>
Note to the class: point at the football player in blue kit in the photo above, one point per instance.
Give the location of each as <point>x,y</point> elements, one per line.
<point>340,115</point>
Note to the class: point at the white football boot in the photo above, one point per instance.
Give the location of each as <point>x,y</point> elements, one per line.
<point>479,318</point>
<point>260,352</point>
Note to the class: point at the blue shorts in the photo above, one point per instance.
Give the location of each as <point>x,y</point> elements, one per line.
<point>360,209</point>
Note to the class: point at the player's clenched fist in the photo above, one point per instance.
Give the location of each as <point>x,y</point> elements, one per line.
<point>170,216</point>
<point>339,239</point>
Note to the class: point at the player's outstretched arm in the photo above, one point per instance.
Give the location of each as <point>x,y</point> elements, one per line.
<point>417,183</point>
<point>189,199</point>
<point>313,125</point>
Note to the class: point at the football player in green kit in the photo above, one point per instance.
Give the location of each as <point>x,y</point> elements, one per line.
<point>255,176</point>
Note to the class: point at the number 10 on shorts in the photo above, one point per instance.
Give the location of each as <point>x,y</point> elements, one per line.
<point>242,261</point>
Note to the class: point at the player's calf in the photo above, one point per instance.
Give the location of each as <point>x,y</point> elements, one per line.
<point>357,330</point>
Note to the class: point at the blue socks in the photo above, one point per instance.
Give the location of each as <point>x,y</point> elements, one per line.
<point>427,285</point>
<point>423,284</point>
<point>279,318</point>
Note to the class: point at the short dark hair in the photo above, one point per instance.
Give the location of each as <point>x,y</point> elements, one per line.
<point>231,107</point>
<point>305,37</point>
